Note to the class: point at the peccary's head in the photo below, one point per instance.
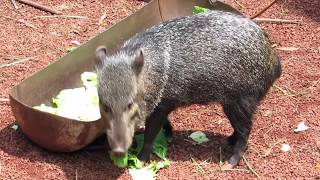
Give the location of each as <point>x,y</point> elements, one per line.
<point>118,77</point>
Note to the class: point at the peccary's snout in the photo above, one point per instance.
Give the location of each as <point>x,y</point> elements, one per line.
<point>120,131</point>
<point>119,139</point>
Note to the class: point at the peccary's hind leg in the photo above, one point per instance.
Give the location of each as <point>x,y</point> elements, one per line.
<point>232,140</point>
<point>240,115</point>
<point>157,120</point>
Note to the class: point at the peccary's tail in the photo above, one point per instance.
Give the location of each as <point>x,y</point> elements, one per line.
<point>277,68</point>
<point>274,60</point>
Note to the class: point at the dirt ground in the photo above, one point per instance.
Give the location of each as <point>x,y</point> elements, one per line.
<point>294,98</point>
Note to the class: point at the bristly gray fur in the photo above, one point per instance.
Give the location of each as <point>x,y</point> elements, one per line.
<point>214,56</point>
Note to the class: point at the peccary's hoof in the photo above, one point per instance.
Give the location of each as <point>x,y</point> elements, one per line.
<point>227,166</point>
<point>143,157</point>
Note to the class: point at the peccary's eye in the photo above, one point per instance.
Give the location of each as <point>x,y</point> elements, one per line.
<point>129,106</point>
<point>106,108</point>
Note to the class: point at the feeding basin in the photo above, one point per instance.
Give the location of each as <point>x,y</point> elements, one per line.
<point>62,134</point>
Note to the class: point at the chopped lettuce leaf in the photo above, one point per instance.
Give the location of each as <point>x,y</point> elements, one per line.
<point>138,144</point>
<point>121,162</point>
<point>134,162</point>
<point>89,79</point>
<point>55,102</point>
<point>199,137</point>
<point>70,49</point>
<point>160,147</point>
<point>199,9</point>
<point>162,164</point>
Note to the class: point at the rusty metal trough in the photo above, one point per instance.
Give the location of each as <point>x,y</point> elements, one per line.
<point>66,135</point>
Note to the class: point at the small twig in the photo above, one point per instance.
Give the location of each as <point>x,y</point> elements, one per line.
<point>314,84</point>
<point>291,95</point>
<point>294,93</point>
<point>266,133</point>
<point>197,165</point>
<point>104,15</point>
<point>282,90</point>
<point>245,170</point>
<point>26,23</point>
<point>255,173</point>
<point>4,100</point>
<point>220,156</point>
<point>283,48</point>
<point>76,174</point>
<point>290,89</point>
<point>278,21</point>
<point>263,10</point>
<point>14,4</point>
<point>16,62</point>
<point>39,6</point>
<point>237,2</point>
<point>62,16</point>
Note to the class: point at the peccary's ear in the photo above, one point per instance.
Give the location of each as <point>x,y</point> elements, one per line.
<point>138,62</point>
<point>101,53</point>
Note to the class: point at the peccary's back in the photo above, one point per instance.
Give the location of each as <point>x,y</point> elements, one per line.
<point>209,56</point>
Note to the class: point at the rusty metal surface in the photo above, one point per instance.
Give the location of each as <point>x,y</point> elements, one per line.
<point>65,135</point>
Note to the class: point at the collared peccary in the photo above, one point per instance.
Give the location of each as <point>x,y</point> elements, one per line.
<point>214,56</point>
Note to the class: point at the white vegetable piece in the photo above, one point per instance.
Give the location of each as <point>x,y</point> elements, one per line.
<point>45,108</point>
<point>143,173</point>
<point>78,103</point>
<point>301,127</point>
<point>14,127</point>
<point>285,147</point>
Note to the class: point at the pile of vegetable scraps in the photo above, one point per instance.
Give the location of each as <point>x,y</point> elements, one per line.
<point>136,169</point>
<point>79,103</point>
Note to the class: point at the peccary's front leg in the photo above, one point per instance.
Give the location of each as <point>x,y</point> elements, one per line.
<point>154,123</point>
<point>240,115</point>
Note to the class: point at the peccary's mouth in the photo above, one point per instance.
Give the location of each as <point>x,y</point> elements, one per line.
<point>119,152</point>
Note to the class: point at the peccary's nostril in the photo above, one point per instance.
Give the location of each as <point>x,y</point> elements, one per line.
<point>118,151</point>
